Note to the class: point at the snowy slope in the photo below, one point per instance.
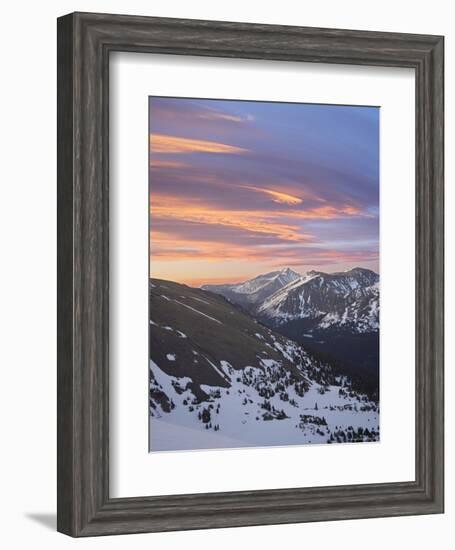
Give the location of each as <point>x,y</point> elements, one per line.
<point>346,301</point>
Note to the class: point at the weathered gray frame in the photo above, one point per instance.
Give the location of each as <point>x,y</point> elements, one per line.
<point>84,43</point>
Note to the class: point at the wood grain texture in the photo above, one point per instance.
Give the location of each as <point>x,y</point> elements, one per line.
<point>84,44</point>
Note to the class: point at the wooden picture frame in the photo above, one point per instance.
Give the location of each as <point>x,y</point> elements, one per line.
<point>84,43</point>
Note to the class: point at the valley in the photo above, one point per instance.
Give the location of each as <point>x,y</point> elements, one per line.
<point>333,315</point>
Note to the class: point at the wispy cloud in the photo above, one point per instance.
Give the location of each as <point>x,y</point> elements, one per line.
<point>179,248</point>
<point>193,111</point>
<point>214,114</point>
<point>161,143</point>
<point>159,163</point>
<point>329,212</point>
<point>277,196</point>
<point>197,211</point>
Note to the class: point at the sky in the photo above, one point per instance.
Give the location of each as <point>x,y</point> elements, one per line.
<point>240,188</point>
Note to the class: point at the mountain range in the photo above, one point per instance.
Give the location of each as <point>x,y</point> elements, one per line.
<point>333,315</point>
<point>344,301</point>
<point>220,377</point>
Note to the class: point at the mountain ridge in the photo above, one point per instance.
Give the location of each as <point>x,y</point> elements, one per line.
<point>343,300</point>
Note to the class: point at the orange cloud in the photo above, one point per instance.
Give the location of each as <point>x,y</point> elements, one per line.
<point>165,247</point>
<point>328,212</point>
<point>171,248</point>
<point>161,143</point>
<point>277,222</point>
<point>194,210</point>
<point>165,163</point>
<point>278,234</point>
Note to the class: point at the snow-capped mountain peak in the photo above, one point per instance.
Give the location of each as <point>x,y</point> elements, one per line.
<point>281,278</point>
<point>346,300</point>
<point>255,291</point>
<point>288,272</point>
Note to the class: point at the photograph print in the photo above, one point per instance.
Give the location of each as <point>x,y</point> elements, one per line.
<point>264,274</point>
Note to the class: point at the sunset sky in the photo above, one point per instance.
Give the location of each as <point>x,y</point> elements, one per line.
<point>239,188</point>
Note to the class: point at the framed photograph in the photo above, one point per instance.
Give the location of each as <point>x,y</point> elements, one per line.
<point>250,274</point>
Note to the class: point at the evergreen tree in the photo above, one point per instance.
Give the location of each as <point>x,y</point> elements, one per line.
<point>205,417</point>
